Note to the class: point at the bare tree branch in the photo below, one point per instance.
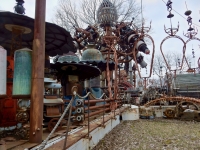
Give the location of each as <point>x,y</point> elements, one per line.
<point>69,14</point>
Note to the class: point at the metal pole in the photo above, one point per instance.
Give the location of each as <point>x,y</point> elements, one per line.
<point>68,124</point>
<point>104,109</point>
<point>38,57</point>
<point>130,71</point>
<point>88,119</point>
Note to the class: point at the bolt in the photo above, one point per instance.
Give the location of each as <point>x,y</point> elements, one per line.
<point>33,133</point>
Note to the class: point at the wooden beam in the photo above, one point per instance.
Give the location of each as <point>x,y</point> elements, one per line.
<point>38,58</point>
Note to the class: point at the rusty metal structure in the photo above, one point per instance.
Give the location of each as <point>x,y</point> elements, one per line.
<point>102,57</point>
<point>172,34</point>
<point>180,89</point>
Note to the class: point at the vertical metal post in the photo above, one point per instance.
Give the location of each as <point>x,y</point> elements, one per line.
<point>103,108</point>
<point>130,71</point>
<point>38,57</point>
<point>68,124</point>
<point>88,119</point>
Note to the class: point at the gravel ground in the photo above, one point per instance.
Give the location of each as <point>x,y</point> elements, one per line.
<point>157,134</point>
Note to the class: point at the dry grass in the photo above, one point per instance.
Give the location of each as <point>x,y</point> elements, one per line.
<point>157,134</point>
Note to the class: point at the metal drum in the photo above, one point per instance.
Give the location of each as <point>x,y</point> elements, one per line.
<point>3,64</point>
<point>22,73</point>
<point>95,82</point>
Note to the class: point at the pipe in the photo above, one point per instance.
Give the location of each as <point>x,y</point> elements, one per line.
<point>95,107</point>
<point>101,100</point>
<point>96,112</point>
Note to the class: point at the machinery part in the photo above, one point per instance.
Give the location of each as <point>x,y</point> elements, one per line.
<point>175,99</point>
<point>80,118</point>
<point>22,133</point>
<point>169,113</point>
<point>79,102</point>
<point>140,60</point>
<point>52,124</point>
<point>79,110</point>
<point>182,106</point>
<point>22,116</point>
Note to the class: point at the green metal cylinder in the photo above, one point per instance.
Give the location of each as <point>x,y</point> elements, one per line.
<point>22,73</point>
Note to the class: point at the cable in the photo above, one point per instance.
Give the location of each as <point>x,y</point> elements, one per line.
<point>141,11</point>
<point>180,14</point>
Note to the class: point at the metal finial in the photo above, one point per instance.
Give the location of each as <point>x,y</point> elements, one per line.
<point>19,8</point>
<point>107,13</point>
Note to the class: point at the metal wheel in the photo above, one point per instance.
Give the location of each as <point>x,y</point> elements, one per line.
<point>169,113</point>
<point>182,106</point>
<point>22,116</point>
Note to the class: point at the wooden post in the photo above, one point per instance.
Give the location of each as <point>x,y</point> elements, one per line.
<point>38,58</point>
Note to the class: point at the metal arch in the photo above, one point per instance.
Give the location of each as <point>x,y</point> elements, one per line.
<point>190,39</point>
<point>184,47</point>
<point>179,99</point>
<point>152,55</point>
<point>134,54</point>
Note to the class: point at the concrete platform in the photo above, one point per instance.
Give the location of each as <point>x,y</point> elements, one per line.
<point>78,137</point>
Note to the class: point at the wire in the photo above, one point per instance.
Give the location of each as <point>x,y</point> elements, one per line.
<point>141,11</point>
<point>180,14</point>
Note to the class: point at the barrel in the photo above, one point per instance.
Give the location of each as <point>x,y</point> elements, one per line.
<point>3,64</point>
<point>22,73</point>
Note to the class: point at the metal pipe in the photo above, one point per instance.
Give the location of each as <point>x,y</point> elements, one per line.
<point>101,100</point>
<point>95,107</point>
<point>96,112</point>
<point>88,119</point>
<point>68,124</point>
<point>38,57</point>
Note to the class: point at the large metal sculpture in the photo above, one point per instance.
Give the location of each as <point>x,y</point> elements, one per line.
<point>172,34</point>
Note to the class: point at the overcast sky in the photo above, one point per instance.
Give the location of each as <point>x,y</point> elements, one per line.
<point>153,10</point>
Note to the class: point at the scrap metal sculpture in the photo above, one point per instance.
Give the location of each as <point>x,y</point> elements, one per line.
<point>172,34</point>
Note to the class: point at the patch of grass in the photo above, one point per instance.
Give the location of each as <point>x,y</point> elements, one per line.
<point>152,134</point>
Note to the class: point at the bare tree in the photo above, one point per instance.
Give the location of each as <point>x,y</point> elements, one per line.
<point>174,60</point>
<point>69,14</point>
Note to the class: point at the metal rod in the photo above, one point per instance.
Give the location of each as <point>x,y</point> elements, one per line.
<point>88,118</point>
<point>104,109</point>
<point>101,100</point>
<point>95,107</point>
<point>68,124</point>
<point>95,113</point>
<point>38,57</point>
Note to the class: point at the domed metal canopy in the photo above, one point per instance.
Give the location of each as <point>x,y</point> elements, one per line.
<point>94,57</point>
<point>91,54</point>
<point>83,71</point>
<point>57,39</point>
<point>69,64</point>
<point>69,57</point>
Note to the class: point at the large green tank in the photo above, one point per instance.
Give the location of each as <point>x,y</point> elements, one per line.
<point>22,73</point>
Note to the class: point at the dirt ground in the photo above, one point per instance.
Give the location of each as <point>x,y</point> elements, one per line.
<point>154,134</point>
